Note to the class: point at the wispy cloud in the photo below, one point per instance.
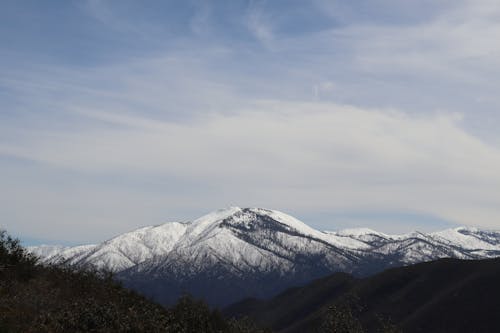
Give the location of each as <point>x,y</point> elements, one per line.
<point>312,156</point>
<point>258,23</point>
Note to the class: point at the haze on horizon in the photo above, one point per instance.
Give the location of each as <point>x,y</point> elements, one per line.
<point>121,114</point>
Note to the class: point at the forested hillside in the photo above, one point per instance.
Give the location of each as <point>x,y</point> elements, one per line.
<point>447,295</point>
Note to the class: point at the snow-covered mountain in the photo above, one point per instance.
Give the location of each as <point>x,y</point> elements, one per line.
<point>239,252</point>
<point>120,252</point>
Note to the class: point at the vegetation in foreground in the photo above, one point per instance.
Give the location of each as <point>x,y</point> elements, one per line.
<point>37,298</point>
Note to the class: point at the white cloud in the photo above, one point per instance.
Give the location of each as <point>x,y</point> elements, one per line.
<point>300,156</point>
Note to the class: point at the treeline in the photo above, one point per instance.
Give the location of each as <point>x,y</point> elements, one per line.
<point>39,298</point>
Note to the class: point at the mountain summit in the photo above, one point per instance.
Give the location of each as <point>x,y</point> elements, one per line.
<point>237,252</point>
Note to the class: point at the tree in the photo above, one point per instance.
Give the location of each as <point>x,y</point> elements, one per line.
<point>14,259</point>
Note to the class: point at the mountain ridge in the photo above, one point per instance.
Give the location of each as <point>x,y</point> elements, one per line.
<point>259,252</point>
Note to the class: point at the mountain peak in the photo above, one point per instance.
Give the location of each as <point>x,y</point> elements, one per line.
<point>246,217</point>
<point>251,217</point>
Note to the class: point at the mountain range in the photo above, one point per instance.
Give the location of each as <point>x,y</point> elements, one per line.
<point>234,253</point>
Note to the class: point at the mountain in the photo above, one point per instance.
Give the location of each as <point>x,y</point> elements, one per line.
<point>447,295</point>
<point>118,253</point>
<point>235,253</point>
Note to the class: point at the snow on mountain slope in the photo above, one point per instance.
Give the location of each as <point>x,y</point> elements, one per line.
<point>359,238</point>
<point>461,242</point>
<point>132,248</point>
<point>418,247</point>
<point>244,217</point>
<point>471,238</point>
<point>121,252</point>
<point>46,251</point>
<point>358,233</point>
<point>256,239</point>
<point>67,254</point>
<point>246,240</point>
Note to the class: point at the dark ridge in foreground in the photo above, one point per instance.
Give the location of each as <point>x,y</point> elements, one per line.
<point>37,298</point>
<point>447,295</point>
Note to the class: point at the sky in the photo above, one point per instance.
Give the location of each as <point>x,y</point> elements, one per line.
<point>121,114</point>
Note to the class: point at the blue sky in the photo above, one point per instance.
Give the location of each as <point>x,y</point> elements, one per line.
<point>120,114</point>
